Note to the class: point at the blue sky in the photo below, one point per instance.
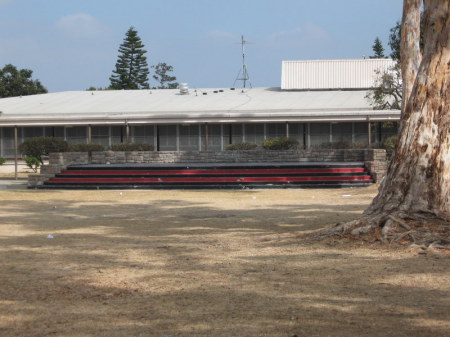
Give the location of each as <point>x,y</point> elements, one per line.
<point>72,44</point>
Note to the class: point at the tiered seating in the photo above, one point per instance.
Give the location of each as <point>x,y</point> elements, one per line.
<point>211,176</point>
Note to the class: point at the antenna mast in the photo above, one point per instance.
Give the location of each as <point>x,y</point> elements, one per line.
<point>243,73</point>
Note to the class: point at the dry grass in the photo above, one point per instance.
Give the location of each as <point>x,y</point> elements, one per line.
<point>210,263</point>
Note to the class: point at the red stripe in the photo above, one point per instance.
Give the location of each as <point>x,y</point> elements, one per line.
<point>215,179</point>
<point>212,172</point>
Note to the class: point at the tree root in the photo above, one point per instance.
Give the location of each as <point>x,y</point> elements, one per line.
<point>417,230</point>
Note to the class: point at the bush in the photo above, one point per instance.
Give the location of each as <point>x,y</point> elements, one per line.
<point>241,147</point>
<point>389,145</point>
<point>132,147</point>
<point>2,160</point>
<point>280,143</point>
<point>41,146</point>
<point>342,145</point>
<point>33,163</point>
<point>86,147</point>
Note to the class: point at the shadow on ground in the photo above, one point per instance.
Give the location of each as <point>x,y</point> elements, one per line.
<point>196,265</point>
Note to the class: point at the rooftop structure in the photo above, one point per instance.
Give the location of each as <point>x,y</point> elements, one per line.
<point>332,74</point>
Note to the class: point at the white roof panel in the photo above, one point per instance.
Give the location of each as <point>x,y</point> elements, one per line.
<point>332,74</point>
<point>168,106</point>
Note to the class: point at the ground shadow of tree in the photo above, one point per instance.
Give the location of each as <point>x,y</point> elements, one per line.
<point>143,269</point>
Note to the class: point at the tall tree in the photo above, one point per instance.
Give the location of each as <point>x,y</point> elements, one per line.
<point>163,78</point>
<point>388,90</point>
<point>395,37</point>
<point>417,183</point>
<point>394,41</point>
<point>18,82</point>
<point>378,50</point>
<point>131,70</point>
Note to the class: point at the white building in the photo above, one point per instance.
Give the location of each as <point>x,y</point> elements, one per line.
<point>318,102</point>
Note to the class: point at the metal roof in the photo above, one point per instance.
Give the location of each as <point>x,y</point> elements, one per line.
<point>169,106</point>
<point>332,74</point>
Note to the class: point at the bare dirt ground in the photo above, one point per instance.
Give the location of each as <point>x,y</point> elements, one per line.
<point>208,263</point>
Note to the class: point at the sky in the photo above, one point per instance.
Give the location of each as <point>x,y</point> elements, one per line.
<point>73,44</point>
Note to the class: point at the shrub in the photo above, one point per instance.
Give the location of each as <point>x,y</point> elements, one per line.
<point>86,147</point>
<point>33,163</point>
<point>280,143</point>
<point>342,145</point>
<point>2,160</point>
<point>389,145</point>
<point>132,147</point>
<point>41,146</point>
<point>241,146</point>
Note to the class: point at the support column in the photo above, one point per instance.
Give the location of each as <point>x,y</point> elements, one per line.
<point>369,129</point>
<point>15,152</point>
<point>89,132</point>
<point>206,136</point>
<point>127,132</point>
<point>287,129</point>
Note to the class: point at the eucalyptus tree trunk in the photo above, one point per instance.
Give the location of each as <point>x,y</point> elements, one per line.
<point>410,54</point>
<point>418,178</point>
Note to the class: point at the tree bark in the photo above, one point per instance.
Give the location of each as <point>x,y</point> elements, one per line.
<point>410,54</point>
<point>418,177</point>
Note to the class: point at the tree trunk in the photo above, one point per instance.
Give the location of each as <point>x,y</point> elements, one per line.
<point>410,54</point>
<point>418,177</point>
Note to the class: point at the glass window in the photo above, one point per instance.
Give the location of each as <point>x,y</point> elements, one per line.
<point>254,133</point>
<point>276,130</point>
<point>341,132</point>
<point>100,135</point>
<point>76,134</point>
<point>57,131</point>
<point>214,137</point>
<point>297,131</point>
<point>361,133</point>
<point>143,134</point>
<point>31,132</point>
<point>7,142</point>
<point>319,133</point>
<point>118,134</point>
<point>232,134</point>
<point>189,137</point>
<point>167,137</point>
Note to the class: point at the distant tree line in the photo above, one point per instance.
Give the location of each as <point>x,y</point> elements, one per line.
<point>131,72</point>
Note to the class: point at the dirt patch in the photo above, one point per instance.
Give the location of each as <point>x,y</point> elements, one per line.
<point>209,263</point>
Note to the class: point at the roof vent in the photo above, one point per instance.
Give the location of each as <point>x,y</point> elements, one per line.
<point>184,89</point>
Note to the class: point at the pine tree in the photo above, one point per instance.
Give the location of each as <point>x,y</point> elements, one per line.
<point>131,68</point>
<point>378,49</point>
<point>165,81</point>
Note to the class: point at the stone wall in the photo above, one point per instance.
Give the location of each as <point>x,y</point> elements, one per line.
<point>250,156</point>
<point>376,163</point>
<point>374,159</point>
